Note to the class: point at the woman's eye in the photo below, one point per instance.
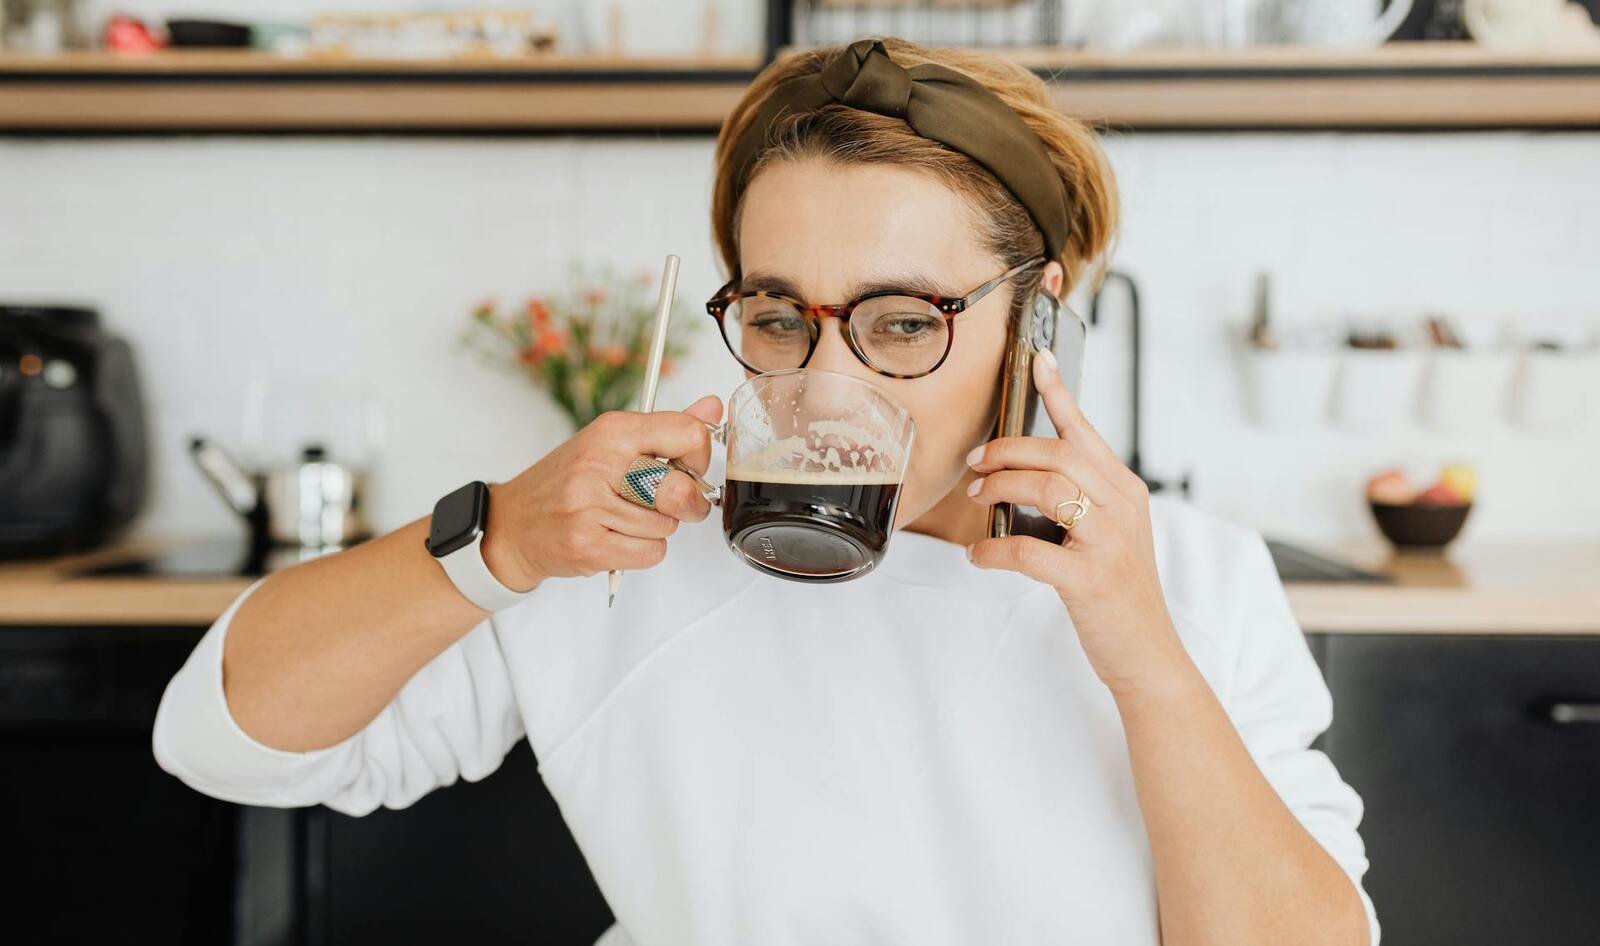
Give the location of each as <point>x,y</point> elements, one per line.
<point>905,328</point>
<point>777,323</point>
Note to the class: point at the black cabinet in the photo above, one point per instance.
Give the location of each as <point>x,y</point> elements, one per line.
<point>1478,759</point>
<point>99,845</point>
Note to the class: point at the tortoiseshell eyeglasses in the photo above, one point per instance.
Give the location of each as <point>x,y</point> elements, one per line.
<point>895,332</point>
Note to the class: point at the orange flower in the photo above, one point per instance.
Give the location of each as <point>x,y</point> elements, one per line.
<point>595,297</point>
<point>484,310</point>
<point>538,313</point>
<point>614,355</point>
<point>550,341</point>
<point>666,366</point>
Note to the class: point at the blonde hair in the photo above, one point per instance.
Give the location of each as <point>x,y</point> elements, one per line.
<point>852,136</point>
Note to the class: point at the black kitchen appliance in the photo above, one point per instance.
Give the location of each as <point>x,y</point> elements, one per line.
<point>72,431</point>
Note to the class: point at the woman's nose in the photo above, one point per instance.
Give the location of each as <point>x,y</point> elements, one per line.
<point>833,350</point>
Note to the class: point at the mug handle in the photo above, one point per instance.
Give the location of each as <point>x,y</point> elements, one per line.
<point>712,494</point>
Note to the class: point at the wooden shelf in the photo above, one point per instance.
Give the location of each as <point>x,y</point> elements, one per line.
<point>225,91</point>
<point>1401,85</point>
<point>212,62</point>
<point>1420,85</point>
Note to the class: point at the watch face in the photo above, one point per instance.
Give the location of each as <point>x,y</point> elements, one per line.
<point>458,518</point>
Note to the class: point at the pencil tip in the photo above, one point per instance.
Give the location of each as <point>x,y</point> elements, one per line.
<point>611,599</point>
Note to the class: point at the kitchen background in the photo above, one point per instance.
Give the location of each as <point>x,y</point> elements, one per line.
<point>360,259</point>
<point>237,263</point>
<point>294,240</point>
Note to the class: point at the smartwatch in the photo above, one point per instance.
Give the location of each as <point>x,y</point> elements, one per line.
<point>455,539</point>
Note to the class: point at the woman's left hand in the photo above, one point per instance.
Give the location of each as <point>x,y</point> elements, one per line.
<point>1105,569</point>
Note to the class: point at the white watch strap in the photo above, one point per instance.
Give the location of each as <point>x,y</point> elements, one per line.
<point>472,578</point>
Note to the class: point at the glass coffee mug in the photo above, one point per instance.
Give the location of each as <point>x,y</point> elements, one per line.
<point>815,463</point>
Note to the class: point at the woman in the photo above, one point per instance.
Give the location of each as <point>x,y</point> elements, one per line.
<point>1095,739</point>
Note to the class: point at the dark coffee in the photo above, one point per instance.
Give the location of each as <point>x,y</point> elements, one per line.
<point>811,527</point>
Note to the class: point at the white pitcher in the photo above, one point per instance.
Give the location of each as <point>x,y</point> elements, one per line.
<point>1348,22</point>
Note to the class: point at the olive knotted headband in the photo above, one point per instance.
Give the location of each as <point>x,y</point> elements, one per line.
<point>938,103</point>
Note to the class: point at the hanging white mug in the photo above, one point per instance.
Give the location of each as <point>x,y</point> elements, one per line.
<point>1529,24</point>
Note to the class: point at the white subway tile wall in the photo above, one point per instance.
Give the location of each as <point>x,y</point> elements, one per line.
<point>231,259</point>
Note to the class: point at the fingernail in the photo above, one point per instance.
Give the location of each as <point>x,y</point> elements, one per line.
<point>975,456</point>
<point>977,484</point>
<point>1049,358</point>
<point>969,553</point>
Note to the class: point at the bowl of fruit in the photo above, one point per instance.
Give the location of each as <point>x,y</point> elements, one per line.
<point>1422,519</point>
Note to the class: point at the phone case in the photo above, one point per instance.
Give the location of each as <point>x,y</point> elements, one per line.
<point>1045,324</point>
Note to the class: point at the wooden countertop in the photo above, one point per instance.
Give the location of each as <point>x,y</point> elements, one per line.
<point>1534,589</point>
<point>48,591</point>
<point>1397,85</point>
<point>1496,589</point>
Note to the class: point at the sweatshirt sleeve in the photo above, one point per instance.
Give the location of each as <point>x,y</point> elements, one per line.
<point>457,716</point>
<point>1280,703</point>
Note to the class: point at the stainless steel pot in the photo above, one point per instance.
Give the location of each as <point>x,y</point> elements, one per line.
<point>314,503</point>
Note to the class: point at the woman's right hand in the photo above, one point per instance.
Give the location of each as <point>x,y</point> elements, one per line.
<point>564,517</point>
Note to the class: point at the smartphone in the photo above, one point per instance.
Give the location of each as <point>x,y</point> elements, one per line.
<point>1044,325</point>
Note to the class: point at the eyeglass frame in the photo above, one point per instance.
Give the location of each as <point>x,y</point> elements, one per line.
<point>949,307</point>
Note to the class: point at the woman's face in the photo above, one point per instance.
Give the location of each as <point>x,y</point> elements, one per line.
<point>820,231</point>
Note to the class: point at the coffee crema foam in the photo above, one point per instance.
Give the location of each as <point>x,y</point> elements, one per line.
<point>754,473</point>
<point>830,451</point>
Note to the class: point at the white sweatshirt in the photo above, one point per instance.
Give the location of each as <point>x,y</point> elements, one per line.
<point>922,755</point>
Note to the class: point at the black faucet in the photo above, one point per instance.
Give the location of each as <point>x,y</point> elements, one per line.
<point>1135,329</point>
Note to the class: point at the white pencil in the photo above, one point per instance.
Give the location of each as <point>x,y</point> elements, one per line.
<point>652,373</point>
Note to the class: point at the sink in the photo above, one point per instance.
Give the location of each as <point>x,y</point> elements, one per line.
<point>1296,564</point>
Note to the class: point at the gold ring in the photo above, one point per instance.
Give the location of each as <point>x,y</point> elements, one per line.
<point>1083,508</point>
